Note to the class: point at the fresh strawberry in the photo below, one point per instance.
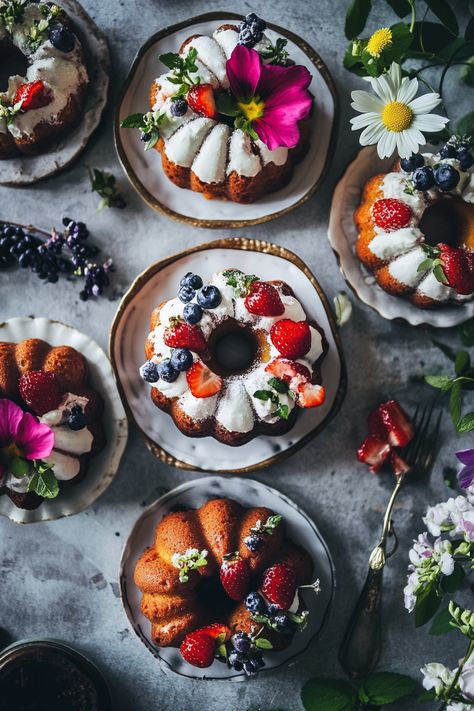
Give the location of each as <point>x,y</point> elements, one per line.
<point>310,395</point>
<point>198,649</point>
<point>218,631</point>
<point>398,426</point>
<point>202,380</point>
<point>201,99</point>
<point>235,576</point>
<point>286,369</point>
<point>377,425</point>
<point>291,338</point>
<point>33,95</point>
<point>373,452</point>
<point>40,390</point>
<point>391,214</point>
<point>399,466</point>
<point>458,268</point>
<point>184,335</point>
<point>264,300</point>
<point>279,585</point>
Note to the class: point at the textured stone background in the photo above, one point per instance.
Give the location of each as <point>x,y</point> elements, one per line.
<point>60,579</point>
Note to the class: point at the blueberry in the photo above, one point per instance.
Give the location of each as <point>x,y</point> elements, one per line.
<point>448,151</point>
<point>192,313</point>
<point>251,30</point>
<point>242,642</point>
<point>235,661</point>
<point>62,38</point>
<point>446,177</point>
<point>77,419</point>
<point>192,280</point>
<point>186,293</point>
<point>465,159</point>
<point>253,542</point>
<point>423,178</point>
<point>166,371</point>
<point>149,372</point>
<point>254,602</point>
<point>253,665</point>
<point>179,106</point>
<point>144,136</point>
<point>209,297</point>
<point>283,623</point>
<point>272,609</point>
<point>410,164</point>
<point>181,359</point>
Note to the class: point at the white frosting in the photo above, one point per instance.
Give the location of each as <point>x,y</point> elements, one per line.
<point>170,123</point>
<point>234,411</point>
<point>394,185</point>
<point>212,55</point>
<point>174,389</point>
<point>17,483</point>
<point>293,311</point>
<point>186,141</point>
<point>279,156</point>
<point>73,441</point>
<point>316,347</point>
<point>241,157</point>
<point>387,244</point>
<point>199,408</point>
<point>65,466</point>
<point>405,267</point>
<point>434,289</point>
<point>227,39</point>
<point>210,162</point>
<point>258,379</point>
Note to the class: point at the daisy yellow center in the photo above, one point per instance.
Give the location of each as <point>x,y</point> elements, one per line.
<point>397,116</point>
<point>380,40</point>
<point>252,109</point>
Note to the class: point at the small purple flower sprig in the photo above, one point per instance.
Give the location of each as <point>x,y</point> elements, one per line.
<point>69,253</point>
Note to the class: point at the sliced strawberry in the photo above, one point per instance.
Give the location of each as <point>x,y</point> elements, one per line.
<point>264,300</point>
<point>391,214</point>
<point>33,95</point>
<point>373,452</point>
<point>40,390</point>
<point>291,338</point>
<point>310,395</point>
<point>202,380</point>
<point>458,267</point>
<point>399,465</point>
<point>198,649</point>
<point>235,576</point>
<point>286,369</point>
<point>184,335</point>
<point>279,585</point>
<point>217,631</point>
<point>398,425</point>
<point>201,99</point>
<point>377,425</point>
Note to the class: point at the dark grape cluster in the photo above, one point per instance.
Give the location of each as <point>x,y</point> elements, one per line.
<point>50,254</point>
<point>245,655</point>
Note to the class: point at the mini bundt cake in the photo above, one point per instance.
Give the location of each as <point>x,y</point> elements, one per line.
<point>44,73</point>
<point>235,358</point>
<point>416,227</point>
<point>53,384</point>
<point>188,581</point>
<point>193,123</point>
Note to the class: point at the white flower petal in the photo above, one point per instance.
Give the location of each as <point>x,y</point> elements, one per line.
<point>384,89</point>
<point>364,120</point>
<point>363,101</point>
<point>407,90</point>
<point>386,145</point>
<point>425,103</point>
<point>429,122</point>
<point>372,134</point>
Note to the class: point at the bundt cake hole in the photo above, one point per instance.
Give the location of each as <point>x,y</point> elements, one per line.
<point>12,62</point>
<point>449,220</point>
<point>234,348</point>
<point>213,597</point>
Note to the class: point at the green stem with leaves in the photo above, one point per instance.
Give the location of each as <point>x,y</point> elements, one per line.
<point>452,686</point>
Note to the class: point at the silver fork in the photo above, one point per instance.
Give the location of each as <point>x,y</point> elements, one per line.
<point>362,642</point>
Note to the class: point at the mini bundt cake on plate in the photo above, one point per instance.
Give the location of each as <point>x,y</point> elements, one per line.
<point>45,397</point>
<point>42,64</point>
<point>234,358</point>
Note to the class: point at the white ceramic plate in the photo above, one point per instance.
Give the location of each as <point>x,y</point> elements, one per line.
<point>131,326</point>
<point>193,494</point>
<point>104,464</point>
<point>144,169</point>
<point>24,170</point>
<point>342,234</point>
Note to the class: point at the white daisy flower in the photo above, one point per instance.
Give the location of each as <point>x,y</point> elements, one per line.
<point>394,119</point>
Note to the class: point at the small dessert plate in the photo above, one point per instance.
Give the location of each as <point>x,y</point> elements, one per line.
<point>131,326</point>
<point>103,466</point>
<point>144,169</point>
<point>193,494</point>
<point>342,234</point>
<point>25,170</point>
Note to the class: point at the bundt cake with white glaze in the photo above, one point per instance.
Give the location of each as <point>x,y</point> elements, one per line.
<point>416,227</point>
<point>234,358</point>
<point>223,564</point>
<point>43,76</point>
<point>52,387</point>
<point>213,140</point>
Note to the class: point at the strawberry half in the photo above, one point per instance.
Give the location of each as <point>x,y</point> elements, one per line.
<point>286,369</point>
<point>310,395</point>
<point>217,631</point>
<point>458,267</point>
<point>373,452</point>
<point>264,300</point>
<point>398,425</point>
<point>40,390</point>
<point>199,647</point>
<point>184,335</point>
<point>279,585</point>
<point>201,99</point>
<point>202,381</point>
<point>33,95</point>
<point>391,214</point>
<point>235,576</point>
<point>291,338</point>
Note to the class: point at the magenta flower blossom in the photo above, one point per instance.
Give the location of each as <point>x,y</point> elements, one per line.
<point>21,435</point>
<point>270,99</point>
<point>466,475</point>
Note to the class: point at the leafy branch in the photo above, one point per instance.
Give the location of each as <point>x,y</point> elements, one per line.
<point>378,689</point>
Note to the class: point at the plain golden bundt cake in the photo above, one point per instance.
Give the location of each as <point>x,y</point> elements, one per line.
<point>52,383</point>
<point>188,580</point>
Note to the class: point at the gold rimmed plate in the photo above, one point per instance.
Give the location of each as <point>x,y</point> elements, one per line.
<point>144,169</point>
<point>131,325</point>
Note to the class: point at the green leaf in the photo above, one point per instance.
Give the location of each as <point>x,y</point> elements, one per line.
<point>443,382</point>
<point>283,412</point>
<point>328,694</point>
<point>263,643</point>
<point>153,140</point>
<point>170,60</point>
<point>356,17</point>
<point>132,121</point>
<point>386,687</point>
<point>401,7</point>
<point>427,603</point>
<point>44,483</point>
<point>440,624</point>
<point>428,39</point>
<point>262,394</point>
<point>465,125</point>
<point>227,105</point>
<point>462,362</point>
<point>466,72</point>
<point>452,583</point>
<point>467,333</point>
<point>438,271</point>
<point>19,466</point>
<point>279,385</point>
<point>455,403</point>
<point>443,12</point>
<point>425,265</point>
<point>466,423</point>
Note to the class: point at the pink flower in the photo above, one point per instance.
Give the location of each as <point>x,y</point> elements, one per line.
<point>271,100</point>
<point>21,435</point>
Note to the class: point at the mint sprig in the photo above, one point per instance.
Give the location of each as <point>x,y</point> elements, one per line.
<point>148,123</point>
<point>103,183</point>
<point>269,526</point>
<point>240,282</point>
<point>278,387</point>
<point>433,263</point>
<point>377,689</point>
<point>11,13</point>
<point>8,113</point>
<point>43,482</point>
<point>277,52</point>
<point>181,69</point>
<point>38,31</point>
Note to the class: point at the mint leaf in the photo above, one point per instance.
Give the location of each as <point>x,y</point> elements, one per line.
<point>263,643</point>
<point>425,265</point>
<point>283,412</point>
<point>466,423</point>
<point>356,18</point>
<point>227,105</point>
<point>462,362</point>
<point>443,382</point>
<point>328,694</point>
<point>19,466</point>
<point>132,121</point>
<point>44,483</point>
<point>440,275</point>
<point>455,403</point>
<point>440,624</point>
<point>279,385</point>
<point>263,394</point>
<point>170,59</point>
<point>386,687</point>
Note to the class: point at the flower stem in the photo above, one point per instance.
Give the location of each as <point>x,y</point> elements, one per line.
<point>452,686</point>
<point>28,228</point>
<point>413,15</point>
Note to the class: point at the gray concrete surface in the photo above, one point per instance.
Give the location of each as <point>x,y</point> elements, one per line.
<point>60,579</point>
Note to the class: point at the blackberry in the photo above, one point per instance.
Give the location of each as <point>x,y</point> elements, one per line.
<point>179,106</point>
<point>253,542</point>
<point>251,30</point>
<point>76,419</point>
